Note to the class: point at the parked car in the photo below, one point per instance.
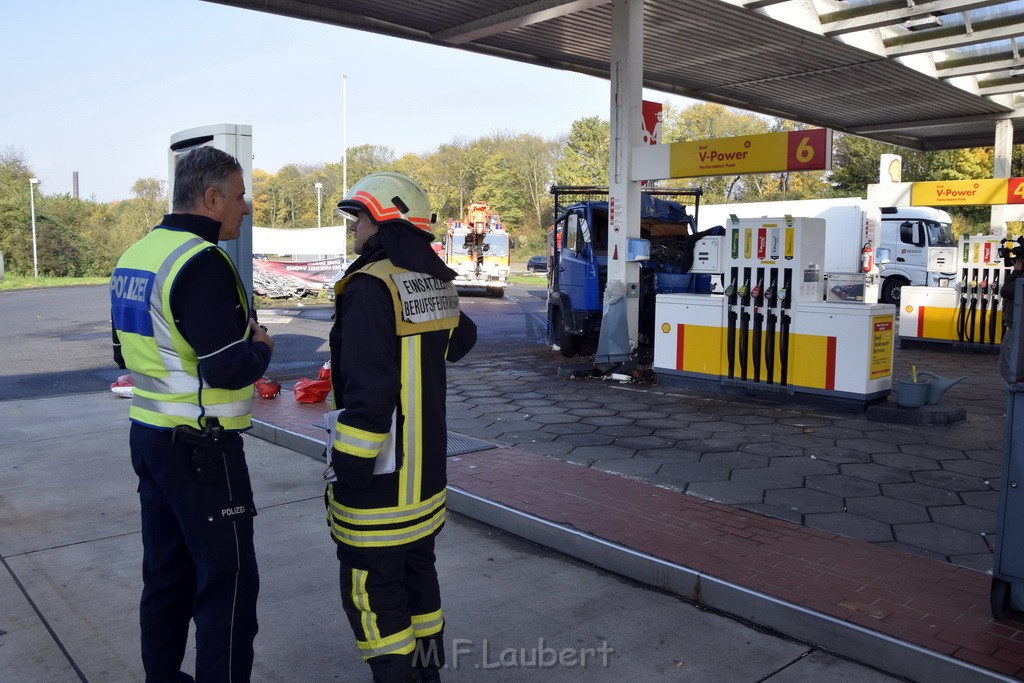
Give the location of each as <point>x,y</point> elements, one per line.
<point>537,264</point>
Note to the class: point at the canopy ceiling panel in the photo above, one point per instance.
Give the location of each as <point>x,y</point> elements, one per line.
<point>933,74</point>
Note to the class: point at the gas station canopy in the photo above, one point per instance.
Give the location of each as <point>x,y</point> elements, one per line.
<point>924,75</point>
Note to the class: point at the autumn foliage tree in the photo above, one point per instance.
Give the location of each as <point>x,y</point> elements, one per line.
<point>512,171</point>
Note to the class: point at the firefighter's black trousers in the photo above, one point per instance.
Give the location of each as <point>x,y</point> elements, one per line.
<point>393,604</point>
<point>192,567</point>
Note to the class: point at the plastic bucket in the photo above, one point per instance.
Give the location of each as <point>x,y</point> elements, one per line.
<point>911,394</point>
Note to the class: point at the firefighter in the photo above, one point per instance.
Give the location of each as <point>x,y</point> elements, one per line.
<point>182,326</point>
<point>397,321</point>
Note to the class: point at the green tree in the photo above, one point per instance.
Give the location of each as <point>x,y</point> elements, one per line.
<point>366,159</point>
<point>707,121</point>
<point>585,154</point>
<point>449,175</point>
<point>15,218</point>
<point>855,164</point>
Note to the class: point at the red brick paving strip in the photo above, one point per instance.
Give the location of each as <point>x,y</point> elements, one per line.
<point>931,604</point>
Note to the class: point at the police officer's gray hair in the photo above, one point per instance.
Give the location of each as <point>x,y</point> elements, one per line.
<point>201,168</point>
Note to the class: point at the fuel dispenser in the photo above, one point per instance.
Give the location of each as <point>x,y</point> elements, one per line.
<point>968,313</point>
<point>236,140</point>
<point>773,330</point>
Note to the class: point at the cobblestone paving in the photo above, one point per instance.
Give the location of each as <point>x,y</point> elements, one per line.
<point>926,489</point>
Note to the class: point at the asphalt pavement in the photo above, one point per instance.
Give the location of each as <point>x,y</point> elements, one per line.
<point>842,489</point>
<point>71,553</point>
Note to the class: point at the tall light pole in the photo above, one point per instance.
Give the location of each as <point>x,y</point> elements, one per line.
<point>344,163</point>
<point>32,182</point>
<point>318,186</point>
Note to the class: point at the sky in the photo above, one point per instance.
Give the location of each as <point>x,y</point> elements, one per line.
<point>100,86</point>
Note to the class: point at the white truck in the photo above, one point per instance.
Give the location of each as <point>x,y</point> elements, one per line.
<point>919,240</point>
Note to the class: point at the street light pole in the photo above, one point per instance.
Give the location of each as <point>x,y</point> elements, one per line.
<point>344,163</point>
<point>32,182</point>
<point>318,186</point>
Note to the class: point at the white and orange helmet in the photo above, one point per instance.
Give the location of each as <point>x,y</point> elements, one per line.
<point>388,196</point>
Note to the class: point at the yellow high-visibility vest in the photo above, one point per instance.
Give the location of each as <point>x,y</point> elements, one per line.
<point>168,390</point>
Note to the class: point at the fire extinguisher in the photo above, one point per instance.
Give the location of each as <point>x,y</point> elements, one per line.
<point>867,257</point>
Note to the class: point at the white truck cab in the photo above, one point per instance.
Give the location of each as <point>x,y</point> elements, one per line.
<point>922,250</point>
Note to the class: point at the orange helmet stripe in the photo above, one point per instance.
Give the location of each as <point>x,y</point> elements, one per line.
<point>381,214</point>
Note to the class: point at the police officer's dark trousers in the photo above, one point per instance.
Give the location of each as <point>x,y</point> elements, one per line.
<point>387,591</point>
<point>198,560</point>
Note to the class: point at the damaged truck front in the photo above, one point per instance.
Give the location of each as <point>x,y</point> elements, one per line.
<point>579,253</point>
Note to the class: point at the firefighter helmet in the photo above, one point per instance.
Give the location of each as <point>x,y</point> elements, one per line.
<point>268,388</point>
<point>390,196</point>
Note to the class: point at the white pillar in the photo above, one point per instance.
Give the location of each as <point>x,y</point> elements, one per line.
<point>1001,169</point>
<point>626,116</point>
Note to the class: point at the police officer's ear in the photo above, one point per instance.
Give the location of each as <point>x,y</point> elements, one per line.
<point>211,199</point>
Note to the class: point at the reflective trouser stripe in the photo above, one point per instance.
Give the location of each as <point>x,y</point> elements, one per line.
<point>424,625</point>
<point>372,643</point>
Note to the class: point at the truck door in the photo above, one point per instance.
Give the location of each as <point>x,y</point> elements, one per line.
<point>911,253</point>
<point>572,266</point>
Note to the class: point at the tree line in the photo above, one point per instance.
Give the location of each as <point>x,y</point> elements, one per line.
<point>511,171</point>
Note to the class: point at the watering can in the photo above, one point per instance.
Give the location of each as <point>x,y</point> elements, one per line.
<point>912,392</point>
<point>937,386</point>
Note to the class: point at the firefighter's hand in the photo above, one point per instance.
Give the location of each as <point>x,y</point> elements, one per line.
<point>1018,263</point>
<point>259,334</point>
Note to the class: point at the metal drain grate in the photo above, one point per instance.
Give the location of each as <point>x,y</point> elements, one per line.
<point>460,444</point>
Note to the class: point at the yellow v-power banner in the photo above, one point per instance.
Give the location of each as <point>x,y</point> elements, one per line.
<point>968,192</point>
<point>799,150</point>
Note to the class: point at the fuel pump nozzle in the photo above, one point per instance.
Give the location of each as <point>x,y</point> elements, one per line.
<point>758,295</point>
<point>730,338</point>
<point>961,318</point>
<point>982,324</point>
<point>973,311</point>
<point>769,333</point>
<point>744,324</point>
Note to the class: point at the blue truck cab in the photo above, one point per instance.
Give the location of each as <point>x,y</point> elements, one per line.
<point>578,250</point>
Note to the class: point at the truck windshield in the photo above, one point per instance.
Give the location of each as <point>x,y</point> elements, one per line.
<point>497,243</point>
<point>939,234</point>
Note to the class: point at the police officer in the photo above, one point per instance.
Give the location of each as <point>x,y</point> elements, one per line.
<point>182,326</point>
<point>397,321</point>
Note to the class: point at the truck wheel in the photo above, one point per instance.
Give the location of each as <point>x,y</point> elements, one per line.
<point>496,292</point>
<point>570,344</point>
<point>891,288</point>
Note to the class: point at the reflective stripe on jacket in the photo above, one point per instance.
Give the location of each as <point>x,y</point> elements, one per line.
<point>408,504</point>
<point>165,369</point>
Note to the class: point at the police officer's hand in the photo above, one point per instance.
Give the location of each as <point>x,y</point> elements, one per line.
<point>259,334</point>
<point>1018,263</point>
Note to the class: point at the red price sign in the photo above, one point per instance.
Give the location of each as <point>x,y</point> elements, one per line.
<point>809,150</point>
<point>1015,191</point>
